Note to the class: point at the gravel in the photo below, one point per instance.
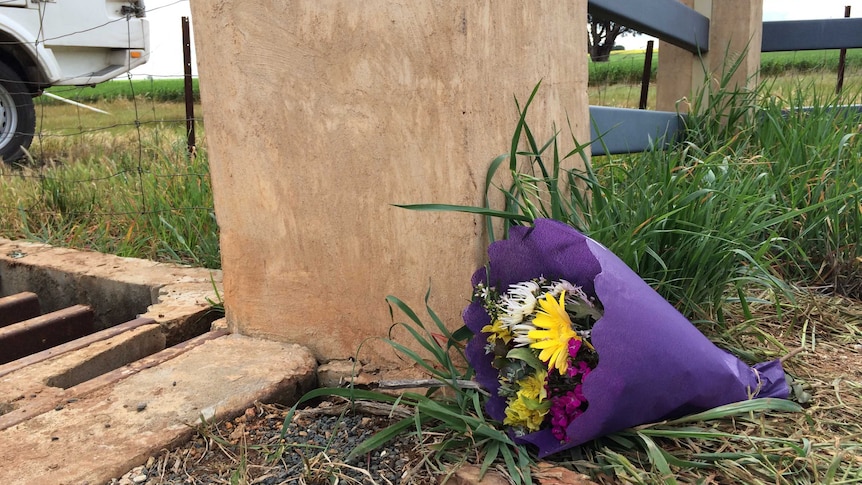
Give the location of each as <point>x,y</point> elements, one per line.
<point>249,449</point>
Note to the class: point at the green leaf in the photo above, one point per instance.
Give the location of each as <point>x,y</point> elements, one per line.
<point>526,355</point>
<point>381,438</point>
<point>657,458</point>
<point>466,208</point>
<point>740,408</point>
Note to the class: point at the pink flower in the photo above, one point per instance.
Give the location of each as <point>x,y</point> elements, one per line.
<point>564,410</point>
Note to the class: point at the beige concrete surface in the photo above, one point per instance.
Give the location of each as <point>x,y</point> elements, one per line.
<point>322,115</point>
<point>736,29</point>
<point>105,433</point>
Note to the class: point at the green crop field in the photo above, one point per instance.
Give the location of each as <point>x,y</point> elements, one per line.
<point>169,90</point>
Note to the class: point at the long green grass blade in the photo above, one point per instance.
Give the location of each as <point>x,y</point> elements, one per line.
<point>468,209</point>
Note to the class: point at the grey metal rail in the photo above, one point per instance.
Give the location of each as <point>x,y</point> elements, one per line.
<point>621,130</point>
<point>668,20</point>
<point>800,35</point>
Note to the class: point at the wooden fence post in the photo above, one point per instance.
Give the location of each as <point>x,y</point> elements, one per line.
<point>322,115</point>
<point>736,28</point>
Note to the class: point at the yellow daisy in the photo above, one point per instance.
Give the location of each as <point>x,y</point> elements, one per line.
<point>553,333</point>
<point>520,413</point>
<point>533,386</point>
<point>497,331</point>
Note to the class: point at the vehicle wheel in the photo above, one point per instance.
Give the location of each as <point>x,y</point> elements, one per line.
<point>17,115</point>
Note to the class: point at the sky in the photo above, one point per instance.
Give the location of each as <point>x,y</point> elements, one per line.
<point>166,39</point>
<point>166,57</point>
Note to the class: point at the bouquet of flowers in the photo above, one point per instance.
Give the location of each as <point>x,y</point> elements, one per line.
<point>572,345</point>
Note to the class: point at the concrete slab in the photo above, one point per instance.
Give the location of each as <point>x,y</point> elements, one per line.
<point>111,429</point>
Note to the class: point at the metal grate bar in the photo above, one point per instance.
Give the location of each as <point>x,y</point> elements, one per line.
<point>36,334</point>
<point>19,307</point>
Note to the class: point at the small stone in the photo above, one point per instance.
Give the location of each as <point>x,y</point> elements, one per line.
<point>549,474</point>
<point>150,462</point>
<point>469,475</point>
<point>238,433</point>
<point>336,372</point>
<point>141,406</point>
<point>250,413</point>
<point>139,478</point>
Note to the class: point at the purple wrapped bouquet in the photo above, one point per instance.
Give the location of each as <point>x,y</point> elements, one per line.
<point>573,345</point>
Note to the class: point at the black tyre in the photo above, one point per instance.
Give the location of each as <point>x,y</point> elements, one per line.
<point>17,115</point>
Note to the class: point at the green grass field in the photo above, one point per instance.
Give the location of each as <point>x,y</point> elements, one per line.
<point>613,83</point>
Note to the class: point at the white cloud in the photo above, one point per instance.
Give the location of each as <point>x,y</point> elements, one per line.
<point>166,39</point>
<point>807,9</point>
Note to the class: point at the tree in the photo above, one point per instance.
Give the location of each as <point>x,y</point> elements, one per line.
<point>602,36</point>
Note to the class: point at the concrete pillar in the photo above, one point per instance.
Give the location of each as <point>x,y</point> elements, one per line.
<point>736,29</point>
<point>322,114</point>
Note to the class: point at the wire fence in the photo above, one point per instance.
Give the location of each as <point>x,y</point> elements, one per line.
<point>117,167</point>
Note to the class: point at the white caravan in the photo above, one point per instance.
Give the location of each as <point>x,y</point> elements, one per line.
<point>61,42</point>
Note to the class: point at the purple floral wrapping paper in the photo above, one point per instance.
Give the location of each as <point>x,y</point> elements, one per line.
<point>653,363</point>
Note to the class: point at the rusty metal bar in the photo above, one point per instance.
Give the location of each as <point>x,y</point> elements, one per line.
<point>189,92</point>
<point>647,74</point>
<point>37,334</point>
<point>842,59</point>
<point>76,344</point>
<point>19,307</point>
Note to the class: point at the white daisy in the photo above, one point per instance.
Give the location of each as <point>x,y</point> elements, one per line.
<point>519,334</point>
<point>518,302</point>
